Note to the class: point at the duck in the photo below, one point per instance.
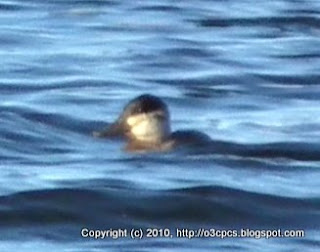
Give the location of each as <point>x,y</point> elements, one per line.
<point>144,123</point>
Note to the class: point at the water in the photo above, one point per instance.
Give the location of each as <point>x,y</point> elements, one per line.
<point>243,72</point>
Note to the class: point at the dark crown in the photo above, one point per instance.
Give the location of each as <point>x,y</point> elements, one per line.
<point>145,104</point>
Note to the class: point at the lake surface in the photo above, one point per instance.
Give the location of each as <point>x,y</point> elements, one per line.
<point>245,73</point>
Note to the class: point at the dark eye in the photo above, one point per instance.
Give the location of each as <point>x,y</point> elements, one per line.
<point>136,110</point>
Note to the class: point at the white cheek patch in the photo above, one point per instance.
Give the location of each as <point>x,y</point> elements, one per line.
<point>141,129</point>
<point>132,120</point>
<point>148,127</point>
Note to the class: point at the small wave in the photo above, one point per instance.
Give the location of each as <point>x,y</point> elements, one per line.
<point>307,21</point>
<point>287,150</point>
<point>114,207</point>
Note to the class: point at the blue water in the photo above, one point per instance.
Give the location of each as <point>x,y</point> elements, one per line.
<point>244,72</point>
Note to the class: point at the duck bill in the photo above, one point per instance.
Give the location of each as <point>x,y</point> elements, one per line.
<point>113,130</point>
